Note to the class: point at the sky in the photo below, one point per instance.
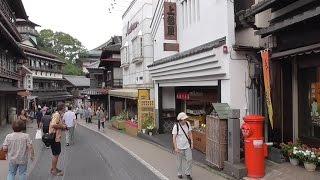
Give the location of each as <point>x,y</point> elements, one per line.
<point>87,20</point>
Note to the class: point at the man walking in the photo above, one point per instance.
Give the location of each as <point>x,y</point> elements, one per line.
<point>183,143</point>
<point>56,127</point>
<point>69,119</point>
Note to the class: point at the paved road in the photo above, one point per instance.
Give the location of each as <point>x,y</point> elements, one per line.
<point>92,157</point>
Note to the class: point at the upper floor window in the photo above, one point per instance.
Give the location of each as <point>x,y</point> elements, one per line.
<point>124,55</point>
<point>190,10</point>
<point>137,47</point>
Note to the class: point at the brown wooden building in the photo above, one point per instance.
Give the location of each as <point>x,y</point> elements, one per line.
<point>11,58</point>
<point>292,32</point>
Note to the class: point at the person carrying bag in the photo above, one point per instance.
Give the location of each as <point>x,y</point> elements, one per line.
<point>183,143</point>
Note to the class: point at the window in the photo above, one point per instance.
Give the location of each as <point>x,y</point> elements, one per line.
<point>137,47</point>
<point>309,103</point>
<point>190,10</point>
<point>124,55</point>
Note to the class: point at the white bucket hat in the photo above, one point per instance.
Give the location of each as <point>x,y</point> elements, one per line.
<point>182,116</point>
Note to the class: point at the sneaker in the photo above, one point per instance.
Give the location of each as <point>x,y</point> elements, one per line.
<point>48,147</point>
<point>180,176</point>
<point>189,177</point>
<point>68,144</point>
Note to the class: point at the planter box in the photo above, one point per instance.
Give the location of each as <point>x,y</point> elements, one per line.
<point>275,155</point>
<point>199,141</point>
<point>119,124</point>
<point>131,128</point>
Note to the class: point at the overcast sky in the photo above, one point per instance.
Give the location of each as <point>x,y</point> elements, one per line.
<point>86,20</point>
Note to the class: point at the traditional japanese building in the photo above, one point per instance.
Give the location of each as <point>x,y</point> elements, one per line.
<point>44,70</point>
<point>11,58</point>
<point>105,74</point>
<point>289,31</point>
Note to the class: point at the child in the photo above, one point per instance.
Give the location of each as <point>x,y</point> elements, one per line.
<point>18,145</point>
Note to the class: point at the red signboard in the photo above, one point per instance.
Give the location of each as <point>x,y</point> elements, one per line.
<point>183,96</point>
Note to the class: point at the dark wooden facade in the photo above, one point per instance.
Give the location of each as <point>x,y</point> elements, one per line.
<point>11,57</point>
<point>294,38</point>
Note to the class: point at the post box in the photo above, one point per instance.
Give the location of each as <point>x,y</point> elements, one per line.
<point>255,148</point>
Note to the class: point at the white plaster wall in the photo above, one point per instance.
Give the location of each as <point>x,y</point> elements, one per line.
<point>140,12</point>
<point>211,25</point>
<point>117,73</point>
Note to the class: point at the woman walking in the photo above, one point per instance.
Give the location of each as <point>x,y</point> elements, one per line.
<point>101,118</point>
<point>24,118</point>
<point>44,124</point>
<point>18,146</point>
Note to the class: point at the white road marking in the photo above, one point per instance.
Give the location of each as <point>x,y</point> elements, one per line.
<point>150,167</point>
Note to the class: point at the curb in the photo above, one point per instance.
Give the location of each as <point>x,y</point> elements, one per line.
<point>147,165</point>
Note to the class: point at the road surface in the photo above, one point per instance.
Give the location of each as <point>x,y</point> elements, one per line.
<point>92,157</point>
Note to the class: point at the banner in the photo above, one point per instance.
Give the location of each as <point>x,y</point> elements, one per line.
<point>266,76</point>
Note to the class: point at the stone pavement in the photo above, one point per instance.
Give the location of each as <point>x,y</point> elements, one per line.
<point>160,161</point>
<point>31,129</point>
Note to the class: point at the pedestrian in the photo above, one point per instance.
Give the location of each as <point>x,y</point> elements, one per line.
<point>101,116</point>
<point>39,116</point>
<point>56,127</point>
<point>32,115</point>
<point>69,119</point>
<point>87,114</point>
<point>77,111</point>
<point>18,147</point>
<point>24,118</point>
<point>183,143</point>
<point>90,114</point>
<point>81,112</point>
<point>45,123</point>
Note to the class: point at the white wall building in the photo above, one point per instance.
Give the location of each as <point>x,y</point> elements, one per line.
<point>194,60</point>
<point>137,46</point>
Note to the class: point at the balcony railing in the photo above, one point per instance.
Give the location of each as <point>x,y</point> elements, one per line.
<point>117,83</point>
<point>9,74</point>
<point>4,7</point>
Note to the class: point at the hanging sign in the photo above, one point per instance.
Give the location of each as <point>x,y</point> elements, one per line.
<point>266,75</point>
<point>183,96</point>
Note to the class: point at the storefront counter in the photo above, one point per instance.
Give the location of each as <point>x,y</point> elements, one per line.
<point>199,140</point>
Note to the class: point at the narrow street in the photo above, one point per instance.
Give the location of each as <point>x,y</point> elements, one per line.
<point>92,157</point>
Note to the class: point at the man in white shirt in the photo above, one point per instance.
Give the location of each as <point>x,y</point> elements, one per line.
<point>69,119</point>
<point>183,143</point>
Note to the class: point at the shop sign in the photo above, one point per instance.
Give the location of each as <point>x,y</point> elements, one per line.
<point>132,27</point>
<point>183,96</point>
<point>170,20</point>
<point>266,76</point>
<point>144,94</point>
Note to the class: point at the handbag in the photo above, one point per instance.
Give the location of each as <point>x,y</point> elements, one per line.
<point>38,134</point>
<point>2,154</point>
<point>49,138</point>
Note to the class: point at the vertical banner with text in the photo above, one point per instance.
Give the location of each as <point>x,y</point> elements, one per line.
<point>266,75</point>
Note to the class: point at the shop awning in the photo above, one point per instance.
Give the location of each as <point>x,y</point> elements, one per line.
<point>124,93</point>
<point>289,22</point>
<point>53,96</point>
<point>315,48</point>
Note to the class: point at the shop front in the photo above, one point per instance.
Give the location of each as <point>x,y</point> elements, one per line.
<point>296,97</point>
<point>195,101</point>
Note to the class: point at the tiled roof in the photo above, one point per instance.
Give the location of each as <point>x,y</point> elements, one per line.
<point>78,81</point>
<point>94,91</point>
<point>94,65</point>
<point>202,48</point>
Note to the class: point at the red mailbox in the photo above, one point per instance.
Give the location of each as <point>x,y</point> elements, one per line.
<point>255,148</point>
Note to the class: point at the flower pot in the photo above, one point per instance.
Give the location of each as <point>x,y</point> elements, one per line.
<point>310,166</point>
<point>294,161</point>
<point>143,131</point>
<point>150,133</point>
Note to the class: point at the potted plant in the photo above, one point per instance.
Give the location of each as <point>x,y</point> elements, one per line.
<point>310,160</point>
<point>290,151</point>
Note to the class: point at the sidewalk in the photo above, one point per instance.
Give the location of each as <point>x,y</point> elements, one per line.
<point>31,130</point>
<point>160,161</point>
